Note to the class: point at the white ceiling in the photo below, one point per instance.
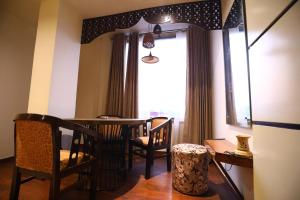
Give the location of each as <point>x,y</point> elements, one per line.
<point>96,8</point>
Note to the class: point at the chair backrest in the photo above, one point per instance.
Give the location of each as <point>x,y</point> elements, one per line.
<point>37,142</point>
<point>156,121</point>
<point>150,124</point>
<point>160,135</point>
<point>34,142</point>
<point>108,131</point>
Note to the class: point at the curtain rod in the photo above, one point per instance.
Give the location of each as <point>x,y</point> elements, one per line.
<point>168,31</point>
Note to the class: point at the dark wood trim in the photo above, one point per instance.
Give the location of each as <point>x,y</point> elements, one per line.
<point>205,14</point>
<point>27,179</point>
<point>278,125</point>
<point>235,16</point>
<point>228,78</point>
<point>11,158</point>
<point>274,21</point>
<point>248,60</point>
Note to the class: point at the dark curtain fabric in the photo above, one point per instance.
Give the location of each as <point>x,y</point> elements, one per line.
<point>198,114</point>
<point>130,107</point>
<point>116,77</point>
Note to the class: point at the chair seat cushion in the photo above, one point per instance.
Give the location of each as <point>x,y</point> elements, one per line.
<point>64,158</point>
<point>145,139</point>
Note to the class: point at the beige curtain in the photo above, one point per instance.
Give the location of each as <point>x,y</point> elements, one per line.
<point>198,115</point>
<point>130,107</point>
<point>116,77</point>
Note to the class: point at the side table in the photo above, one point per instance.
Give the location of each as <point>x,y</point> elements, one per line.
<point>220,150</point>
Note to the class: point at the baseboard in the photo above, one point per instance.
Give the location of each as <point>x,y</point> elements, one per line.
<point>7,159</point>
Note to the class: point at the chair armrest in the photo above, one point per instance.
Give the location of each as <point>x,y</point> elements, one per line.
<point>155,129</point>
<point>77,127</point>
<point>83,141</point>
<point>136,129</point>
<point>155,133</point>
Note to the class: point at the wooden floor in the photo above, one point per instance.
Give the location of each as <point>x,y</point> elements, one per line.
<point>158,187</point>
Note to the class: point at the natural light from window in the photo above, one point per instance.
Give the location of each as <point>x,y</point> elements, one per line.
<point>162,85</point>
<point>240,77</point>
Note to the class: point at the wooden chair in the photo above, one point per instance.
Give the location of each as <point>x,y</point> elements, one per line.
<point>157,138</point>
<point>38,152</point>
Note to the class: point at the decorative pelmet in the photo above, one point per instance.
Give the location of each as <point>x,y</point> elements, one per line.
<point>235,15</point>
<point>206,14</point>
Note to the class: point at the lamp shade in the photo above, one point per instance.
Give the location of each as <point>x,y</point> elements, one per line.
<point>148,41</point>
<point>150,59</point>
<point>157,29</point>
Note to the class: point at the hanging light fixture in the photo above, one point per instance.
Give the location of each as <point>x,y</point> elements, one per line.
<point>157,29</point>
<point>150,59</point>
<point>148,41</point>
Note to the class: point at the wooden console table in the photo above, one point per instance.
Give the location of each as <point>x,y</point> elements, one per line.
<point>220,150</point>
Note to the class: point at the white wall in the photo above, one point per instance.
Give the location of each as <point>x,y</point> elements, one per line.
<point>56,60</point>
<point>18,25</point>
<point>275,78</point>
<point>43,57</point>
<point>275,71</point>
<point>62,101</point>
<point>93,77</point>
<point>243,177</point>
<point>261,13</point>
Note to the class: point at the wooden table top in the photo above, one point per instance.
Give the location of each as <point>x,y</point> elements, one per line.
<point>121,121</point>
<point>219,148</point>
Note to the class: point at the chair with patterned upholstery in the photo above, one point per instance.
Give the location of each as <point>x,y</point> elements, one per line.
<point>157,138</point>
<point>38,152</point>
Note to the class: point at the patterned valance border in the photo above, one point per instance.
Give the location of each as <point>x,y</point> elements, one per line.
<point>206,14</point>
<point>235,15</point>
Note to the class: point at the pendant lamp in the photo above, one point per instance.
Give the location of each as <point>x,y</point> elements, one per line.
<point>148,41</point>
<point>150,59</point>
<point>157,29</point>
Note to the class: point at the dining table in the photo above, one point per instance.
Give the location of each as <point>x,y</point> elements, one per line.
<point>112,148</point>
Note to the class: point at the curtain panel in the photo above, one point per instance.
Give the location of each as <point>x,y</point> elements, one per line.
<point>116,77</point>
<point>130,106</point>
<point>198,114</point>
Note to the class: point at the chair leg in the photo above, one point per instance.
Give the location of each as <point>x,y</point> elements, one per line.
<point>93,177</point>
<point>149,160</point>
<point>169,160</point>
<point>15,185</point>
<point>130,156</point>
<point>152,159</point>
<point>54,188</point>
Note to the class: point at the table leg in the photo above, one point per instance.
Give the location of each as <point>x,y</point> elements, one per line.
<point>228,179</point>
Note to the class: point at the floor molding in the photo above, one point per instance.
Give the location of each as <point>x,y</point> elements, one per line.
<point>7,159</point>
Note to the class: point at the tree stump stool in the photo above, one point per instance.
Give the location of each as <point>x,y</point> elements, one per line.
<point>190,168</point>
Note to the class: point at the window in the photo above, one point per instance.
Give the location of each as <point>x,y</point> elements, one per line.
<point>162,85</point>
